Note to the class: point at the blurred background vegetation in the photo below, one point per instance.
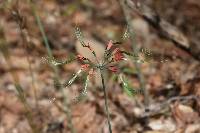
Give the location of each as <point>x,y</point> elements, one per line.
<point>32,29</point>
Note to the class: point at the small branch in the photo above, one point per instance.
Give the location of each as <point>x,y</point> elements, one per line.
<point>165,29</point>
<point>157,108</point>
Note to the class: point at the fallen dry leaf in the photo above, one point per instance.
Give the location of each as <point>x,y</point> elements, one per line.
<point>184,114</point>
<point>194,128</point>
<point>11,103</point>
<point>84,117</point>
<point>166,125</point>
<point>9,120</point>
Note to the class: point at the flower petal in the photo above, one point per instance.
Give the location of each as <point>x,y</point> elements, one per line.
<point>113,68</point>
<point>118,55</point>
<point>109,45</point>
<point>85,66</point>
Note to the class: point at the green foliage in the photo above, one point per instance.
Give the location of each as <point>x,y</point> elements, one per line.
<point>68,83</point>
<point>3,47</point>
<point>129,71</point>
<point>128,88</point>
<point>147,54</point>
<point>83,93</point>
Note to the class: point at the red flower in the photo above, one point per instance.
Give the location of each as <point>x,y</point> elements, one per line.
<point>118,55</point>
<point>109,45</point>
<point>85,66</point>
<point>113,69</point>
<point>80,57</point>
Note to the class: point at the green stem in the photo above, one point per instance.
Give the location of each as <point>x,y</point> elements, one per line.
<point>106,102</point>
<point>26,43</point>
<point>135,50</point>
<point>28,113</point>
<point>21,95</point>
<point>68,113</point>
<point>55,69</point>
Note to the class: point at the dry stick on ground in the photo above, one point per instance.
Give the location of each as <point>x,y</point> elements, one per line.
<point>135,50</point>
<point>164,28</point>
<point>55,69</point>
<point>157,108</point>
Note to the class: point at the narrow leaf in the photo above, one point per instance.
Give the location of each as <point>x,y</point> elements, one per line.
<point>55,62</point>
<point>68,83</point>
<point>128,89</point>
<point>84,91</point>
<point>79,36</point>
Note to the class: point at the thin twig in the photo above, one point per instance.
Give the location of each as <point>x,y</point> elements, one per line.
<point>158,107</point>
<point>164,28</point>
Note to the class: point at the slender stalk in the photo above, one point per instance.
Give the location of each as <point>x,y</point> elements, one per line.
<point>106,102</point>
<point>68,114</point>
<point>135,50</point>
<point>19,89</point>
<point>67,110</point>
<point>55,69</point>
<point>25,40</point>
<point>28,113</point>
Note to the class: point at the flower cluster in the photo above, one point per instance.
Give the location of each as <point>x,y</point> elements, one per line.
<point>113,55</point>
